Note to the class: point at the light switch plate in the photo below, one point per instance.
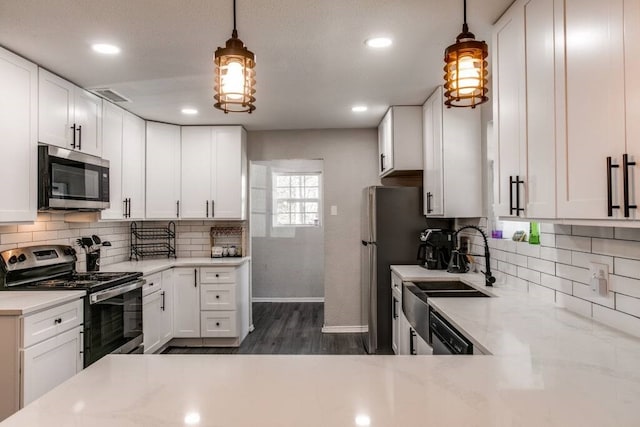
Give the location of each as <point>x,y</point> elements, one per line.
<point>599,278</point>
<point>334,210</point>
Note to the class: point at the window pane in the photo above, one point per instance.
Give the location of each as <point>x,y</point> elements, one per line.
<point>310,207</point>
<point>283,193</point>
<point>283,206</point>
<point>283,219</point>
<point>311,193</point>
<point>311,219</point>
<point>297,219</point>
<point>282,181</point>
<point>296,193</point>
<point>297,207</point>
<point>296,181</point>
<point>311,181</point>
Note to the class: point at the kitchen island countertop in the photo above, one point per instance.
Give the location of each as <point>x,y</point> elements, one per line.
<point>151,266</point>
<point>16,303</point>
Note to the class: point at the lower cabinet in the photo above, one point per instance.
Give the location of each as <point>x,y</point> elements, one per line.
<point>166,309</point>
<point>186,303</point>
<point>39,351</point>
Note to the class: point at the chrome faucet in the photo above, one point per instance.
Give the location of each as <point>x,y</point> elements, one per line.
<point>489,279</point>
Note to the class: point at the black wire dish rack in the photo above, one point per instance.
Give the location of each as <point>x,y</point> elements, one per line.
<point>148,242</point>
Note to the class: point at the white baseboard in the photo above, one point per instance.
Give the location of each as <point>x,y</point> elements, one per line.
<point>344,329</point>
<point>292,299</point>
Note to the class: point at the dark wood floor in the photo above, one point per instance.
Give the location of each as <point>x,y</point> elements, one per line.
<point>286,328</point>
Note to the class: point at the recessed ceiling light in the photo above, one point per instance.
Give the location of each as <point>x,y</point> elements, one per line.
<point>359,108</point>
<point>106,49</point>
<point>189,111</point>
<point>378,42</point>
<point>363,420</point>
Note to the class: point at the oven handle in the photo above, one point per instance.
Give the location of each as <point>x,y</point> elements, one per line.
<point>110,293</point>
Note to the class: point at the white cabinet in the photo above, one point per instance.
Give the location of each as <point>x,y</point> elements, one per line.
<point>39,351</point>
<point>595,129</point>
<point>509,112</point>
<point>162,171</point>
<point>69,116</point>
<point>396,311</point>
<point>400,140</point>
<point>404,334</point>
<point>112,118</point>
<point>151,312</point>
<point>166,315</point>
<point>422,348</point>
<point>452,159</point>
<point>18,145</point>
<point>213,172</point>
<point>186,303</point>
<point>632,102</point>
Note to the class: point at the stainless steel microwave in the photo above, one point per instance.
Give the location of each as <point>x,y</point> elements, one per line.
<point>70,180</point>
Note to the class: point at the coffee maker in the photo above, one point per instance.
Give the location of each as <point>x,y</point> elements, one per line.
<point>435,250</point>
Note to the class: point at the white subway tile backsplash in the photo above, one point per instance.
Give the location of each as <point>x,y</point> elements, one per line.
<point>602,232</point>
<point>8,229</point>
<point>619,248</point>
<point>541,265</point>
<point>627,233</point>
<point>498,255</point>
<point>584,292</point>
<point>617,320</point>
<point>557,255</point>
<point>574,304</point>
<point>574,243</point>
<point>525,248</point>
<point>540,292</point>
<point>628,305</point>
<point>548,239</point>
<point>39,236</point>
<point>529,275</point>
<point>16,238</point>
<point>624,285</point>
<point>508,268</point>
<point>557,283</point>
<point>626,267</point>
<point>519,260</point>
<point>37,226</point>
<point>582,259</point>
<point>555,228</point>
<point>570,272</point>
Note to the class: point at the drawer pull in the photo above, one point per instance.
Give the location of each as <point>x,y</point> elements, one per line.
<point>217,296</point>
<point>217,275</point>
<point>217,323</point>
<point>57,321</point>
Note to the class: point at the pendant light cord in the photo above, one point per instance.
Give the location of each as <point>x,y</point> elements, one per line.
<point>234,14</point>
<point>464,2</point>
<point>465,27</point>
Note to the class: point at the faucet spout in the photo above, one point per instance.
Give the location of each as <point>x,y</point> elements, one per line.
<point>489,279</point>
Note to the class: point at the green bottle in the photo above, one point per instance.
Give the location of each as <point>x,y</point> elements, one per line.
<point>534,233</point>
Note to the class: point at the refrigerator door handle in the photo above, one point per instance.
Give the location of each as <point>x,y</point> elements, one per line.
<point>365,243</point>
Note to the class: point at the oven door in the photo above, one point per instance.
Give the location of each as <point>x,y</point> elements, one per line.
<point>113,321</point>
<point>71,180</point>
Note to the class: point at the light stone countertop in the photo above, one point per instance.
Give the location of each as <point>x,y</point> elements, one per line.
<point>16,303</point>
<point>156,265</point>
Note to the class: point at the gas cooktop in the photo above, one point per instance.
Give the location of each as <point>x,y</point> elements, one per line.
<point>86,281</point>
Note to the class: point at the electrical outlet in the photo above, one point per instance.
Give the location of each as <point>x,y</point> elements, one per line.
<point>599,278</point>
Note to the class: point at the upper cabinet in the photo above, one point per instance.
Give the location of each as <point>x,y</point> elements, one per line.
<point>163,171</point>
<point>123,136</point>
<point>18,145</point>
<point>400,140</point>
<point>69,116</point>
<point>214,173</point>
<point>452,159</point>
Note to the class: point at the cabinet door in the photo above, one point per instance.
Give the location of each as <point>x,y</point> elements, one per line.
<point>18,145</point>
<point>55,110</point>
<point>228,175</point>
<point>166,316</point>
<point>197,158</point>
<point>403,335</point>
<point>509,109</point>
<point>133,165</point>
<point>88,120</point>
<point>433,172</point>
<point>163,171</point>
<point>632,101</point>
<point>186,303</point>
<point>541,109</point>
<point>422,347</point>
<point>595,119</point>
<point>219,324</point>
<point>50,363</point>
<point>112,117</point>
<point>151,321</point>
<point>385,143</point>
<point>395,324</point>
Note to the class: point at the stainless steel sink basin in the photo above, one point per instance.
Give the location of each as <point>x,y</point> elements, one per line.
<point>448,289</point>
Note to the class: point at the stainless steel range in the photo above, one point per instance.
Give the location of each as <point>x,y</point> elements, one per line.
<point>112,307</point>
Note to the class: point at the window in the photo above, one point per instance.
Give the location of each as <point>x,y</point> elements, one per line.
<point>296,199</point>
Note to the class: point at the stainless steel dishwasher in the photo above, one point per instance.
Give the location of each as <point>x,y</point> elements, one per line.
<point>445,339</point>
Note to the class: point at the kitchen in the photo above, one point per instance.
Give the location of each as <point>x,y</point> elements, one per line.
<point>502,389</point>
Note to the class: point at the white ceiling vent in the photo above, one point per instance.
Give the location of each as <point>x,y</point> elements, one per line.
<point>110,94</point>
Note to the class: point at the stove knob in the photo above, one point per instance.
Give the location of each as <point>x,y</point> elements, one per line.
<point>13,259</point>
<point>22,258</point>
<point>69,251</point>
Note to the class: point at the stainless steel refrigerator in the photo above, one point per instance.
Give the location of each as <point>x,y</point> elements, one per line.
<point>392,219</point>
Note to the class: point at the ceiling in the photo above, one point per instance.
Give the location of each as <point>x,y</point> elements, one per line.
<point>312,64</point>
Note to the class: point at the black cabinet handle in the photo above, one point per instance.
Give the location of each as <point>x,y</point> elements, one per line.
<point>207,202</point>
<point>129,209</point>
<point>162,306</point>
<point>610,205</point>
<point>124,212</point>
<point>81,340</point>
<point>511,208</point>
<point>213,209</point>
<point>395,308</point>
<point>178,209</point>
<point>381,162</point>
<point>217,275</point>
<point>412,347</point>
<point>217,323</point>
<point>625,174</point>
<point>429,197</point>
<point>517,209</point>
<point>217,296</point>
<point>195,277</point>
<point>79,137</point>
<point>57,321</point>
<point>73,129</point>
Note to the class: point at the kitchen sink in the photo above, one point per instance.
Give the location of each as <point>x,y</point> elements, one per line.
<point>447,289</point>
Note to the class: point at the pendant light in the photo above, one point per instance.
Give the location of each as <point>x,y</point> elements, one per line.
<point>235,75</point>
<point>465,70</point>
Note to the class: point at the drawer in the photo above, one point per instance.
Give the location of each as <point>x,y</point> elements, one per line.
<point>218,324</point>
<point>217,275</point>
<point>40,326</point>
<point>154,283</point>
<point>218,297</point>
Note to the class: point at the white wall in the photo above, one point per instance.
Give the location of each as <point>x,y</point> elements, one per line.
<point>287,262</point>
<point>350,164</point>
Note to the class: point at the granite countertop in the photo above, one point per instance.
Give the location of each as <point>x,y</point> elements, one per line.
<point>16,303</point>
<point>155,265</point>
<point>314,391</point>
